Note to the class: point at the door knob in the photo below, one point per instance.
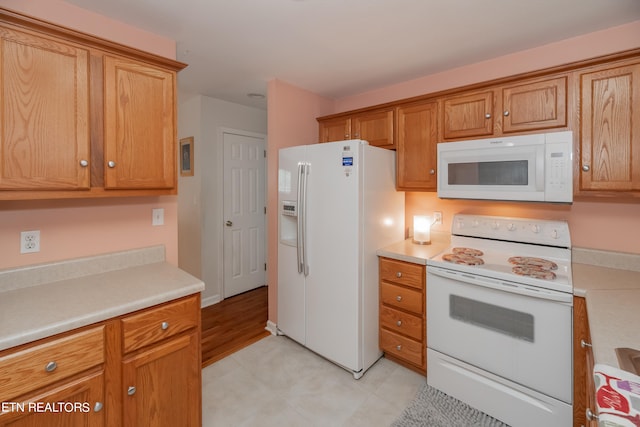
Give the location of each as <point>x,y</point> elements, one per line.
<point>228,223</point>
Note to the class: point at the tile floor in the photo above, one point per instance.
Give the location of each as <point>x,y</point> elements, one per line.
<point>277,382</point>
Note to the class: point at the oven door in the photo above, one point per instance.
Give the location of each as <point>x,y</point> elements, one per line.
<point>480,170</point>
<point>513,331</point>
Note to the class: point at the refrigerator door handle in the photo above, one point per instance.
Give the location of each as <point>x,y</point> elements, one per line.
<point>300,203</point>
<point>305,174</point>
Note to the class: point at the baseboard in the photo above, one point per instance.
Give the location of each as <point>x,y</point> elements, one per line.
<point>272,327</point>
<point>210,301</point>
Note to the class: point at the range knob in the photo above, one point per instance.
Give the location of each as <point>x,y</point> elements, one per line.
<point>511,226</point>
<point>460,224</point>
<point>495,225</point>
<point>535,228</point>
<point>554,234</point>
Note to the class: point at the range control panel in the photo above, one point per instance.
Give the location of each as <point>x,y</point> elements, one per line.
<point>524,230</point>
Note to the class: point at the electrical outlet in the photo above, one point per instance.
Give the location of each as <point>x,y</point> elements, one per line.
<point>29,241</point>
<point>157,216</point>
<point>437,218</point>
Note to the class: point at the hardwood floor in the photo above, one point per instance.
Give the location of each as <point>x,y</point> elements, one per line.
<point>233,323</point>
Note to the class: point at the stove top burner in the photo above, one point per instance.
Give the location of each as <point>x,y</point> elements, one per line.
<point>467,251</point>
<point>539,268</point>
<point>532,271</point>
<point>466,256</point>
<point>533,262</point>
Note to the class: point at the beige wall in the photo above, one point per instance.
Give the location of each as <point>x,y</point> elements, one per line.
<point>74,228</point>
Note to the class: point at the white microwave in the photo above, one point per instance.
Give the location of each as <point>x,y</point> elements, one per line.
<point>535,168</point>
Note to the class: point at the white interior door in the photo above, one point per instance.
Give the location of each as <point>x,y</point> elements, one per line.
<point>244,213</point>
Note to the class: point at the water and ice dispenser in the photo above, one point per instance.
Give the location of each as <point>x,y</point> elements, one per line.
<point>289,222</point>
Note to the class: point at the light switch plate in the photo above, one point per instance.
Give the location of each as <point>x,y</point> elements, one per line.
<point>157,216</point>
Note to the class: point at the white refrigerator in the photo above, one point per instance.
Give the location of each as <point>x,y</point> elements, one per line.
<point>337,205</point>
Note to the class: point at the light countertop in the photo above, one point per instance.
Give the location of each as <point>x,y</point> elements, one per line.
<point>609,281</point>
<point>43,300</point>
<point>408,251</point>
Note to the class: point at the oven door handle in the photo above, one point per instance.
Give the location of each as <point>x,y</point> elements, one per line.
<point>501,285</point>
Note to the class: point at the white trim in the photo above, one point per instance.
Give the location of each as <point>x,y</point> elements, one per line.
<point>272,327</point>
<point>214,299</point>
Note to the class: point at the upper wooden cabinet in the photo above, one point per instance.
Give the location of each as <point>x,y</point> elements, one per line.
<point>525,106</point>
<point>139,150</point>
<point>335,129</point>
<point>44,141</point>
<point>416,154</point>
<point>534,106</point>
<point>82,116</point>
<point>469,115</point>
<point>610,129</point>
<point>375,127</point>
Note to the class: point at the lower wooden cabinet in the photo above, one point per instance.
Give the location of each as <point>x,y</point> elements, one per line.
<point>584,393</point>
<point>402,313</point>
<point>99,376</point>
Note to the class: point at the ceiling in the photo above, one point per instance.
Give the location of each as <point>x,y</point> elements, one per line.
<point>338,48</point>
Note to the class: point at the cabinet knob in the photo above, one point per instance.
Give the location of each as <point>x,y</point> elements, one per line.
<point>346,136</point>
<point>590,415</point>
<point>399,274</point>
<point>84,163</point>
<point>164,326</point>
<point>585,344</point>
<point>506,113</point>
<point>399,298</point>
<point>432,172</point>
<point>111,164</point>
<point>51,366</point>
<point>585,168</point>
<point>97,407</point>
<point>399,323</point>
<point>399,347</point>
<point>357,135</point>
<point>131,390</point>
<point>487,116</point>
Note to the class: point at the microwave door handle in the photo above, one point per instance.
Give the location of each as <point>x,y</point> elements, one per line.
<point>501,285</point>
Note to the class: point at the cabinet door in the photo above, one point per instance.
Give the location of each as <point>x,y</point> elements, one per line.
<point>162,384</point>
<point>139,126</point>
<point>79,404</point>
<point>375,127</point>
<point>44,128</point>
<point>468,115</point>
<point>416,152</point>
<point>336,129</point>
<point>610,133</point>
<point>533,106</point>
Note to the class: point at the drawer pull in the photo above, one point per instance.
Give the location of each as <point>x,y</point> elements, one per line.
<point>590,415</point>
<point>131,390</point>
<point>399,298</point>
<point>399,347</point>
<point>584,344</point>
<point>51,366</point>
<point>399,323</point>
<point>399,274</point>
<point>97,407</point>
<point>164,326</point>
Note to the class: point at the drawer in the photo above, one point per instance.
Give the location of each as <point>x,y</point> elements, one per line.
<point>402,273</point>
<point>43,364</point>
<point>156,324</point>
<point>403,298</point>
<point>402,347</point>
<point>401,322</point>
